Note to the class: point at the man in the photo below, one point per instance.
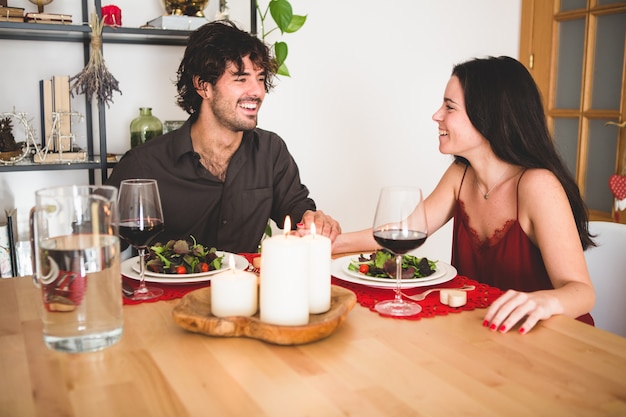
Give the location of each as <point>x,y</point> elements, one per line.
<point>220,177</point>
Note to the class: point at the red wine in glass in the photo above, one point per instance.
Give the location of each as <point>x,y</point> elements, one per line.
<point>400,226</point>
<point>141,215</point>
<point>400,242</point>
<point>140,232</point>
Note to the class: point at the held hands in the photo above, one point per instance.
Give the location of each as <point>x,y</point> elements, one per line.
<point>513,306</point>
<point>324,224</point>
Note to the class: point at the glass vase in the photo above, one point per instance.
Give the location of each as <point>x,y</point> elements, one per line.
<point>144,127</point>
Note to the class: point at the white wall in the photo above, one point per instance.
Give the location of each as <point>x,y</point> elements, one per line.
<point>356,114</point>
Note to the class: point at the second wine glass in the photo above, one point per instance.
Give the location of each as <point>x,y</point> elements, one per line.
<point>141,220</point>
<point>400,226</point>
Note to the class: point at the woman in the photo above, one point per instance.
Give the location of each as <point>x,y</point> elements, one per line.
<point>519,221</point>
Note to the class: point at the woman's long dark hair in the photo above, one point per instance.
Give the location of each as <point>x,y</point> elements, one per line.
<point>504,105</point>
<point>209,50</point>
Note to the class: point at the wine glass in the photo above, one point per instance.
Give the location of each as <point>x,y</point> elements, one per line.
<point>141,220</point>
<point>400,226</point>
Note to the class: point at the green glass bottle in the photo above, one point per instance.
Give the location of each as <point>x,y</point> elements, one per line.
<point>144,127</point>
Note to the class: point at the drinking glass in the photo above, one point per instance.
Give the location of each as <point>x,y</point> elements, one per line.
<point>76,263</point>
<point>141,220</point>
<point>400,226</point>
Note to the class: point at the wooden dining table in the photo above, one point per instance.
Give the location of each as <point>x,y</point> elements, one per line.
<point>369,366</point>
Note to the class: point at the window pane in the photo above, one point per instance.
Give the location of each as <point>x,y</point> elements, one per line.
<point>567,5</point>
<point>570,64</point>
<point>607,75</point>
<point>566,141</point>
<point>600,166</point>
<point>603,2</point>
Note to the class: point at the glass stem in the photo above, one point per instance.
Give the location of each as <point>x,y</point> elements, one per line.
<point>142,289</point>
<point>398,289</point>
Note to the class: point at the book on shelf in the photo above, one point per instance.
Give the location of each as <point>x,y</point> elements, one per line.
<point>54,18</point>
<point>61,88</point>
<point>6,11</point>
<point>11,19</point>
<point>56,121</point>
<point>177,22</point>
<point>45,94</point>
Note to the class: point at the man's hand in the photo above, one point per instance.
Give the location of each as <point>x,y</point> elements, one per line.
<point>324,224</point>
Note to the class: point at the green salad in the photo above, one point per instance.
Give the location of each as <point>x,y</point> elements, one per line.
<point>182,257</point>
<point>382,264</point>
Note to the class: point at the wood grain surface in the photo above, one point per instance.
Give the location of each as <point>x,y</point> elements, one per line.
<point>369,366</point>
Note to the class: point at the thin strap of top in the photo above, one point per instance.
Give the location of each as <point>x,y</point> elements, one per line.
<point>461,185</point>
<point>517,195</point>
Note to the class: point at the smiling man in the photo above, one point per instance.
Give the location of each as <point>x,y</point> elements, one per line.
<point>220,177</point>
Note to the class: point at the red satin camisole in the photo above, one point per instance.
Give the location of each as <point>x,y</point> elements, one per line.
<point>507,260</point>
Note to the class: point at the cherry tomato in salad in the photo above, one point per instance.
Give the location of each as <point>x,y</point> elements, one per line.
<point>204,267</point>
<point>181,269</point>
<point>364,268</point>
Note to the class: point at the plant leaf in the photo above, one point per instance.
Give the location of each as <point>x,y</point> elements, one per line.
<point>282,13</point>
<point>280,52</point>
<point>282,70</point>
<point>296,23</point>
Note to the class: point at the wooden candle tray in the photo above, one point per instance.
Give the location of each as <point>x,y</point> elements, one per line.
<point>193,313</point>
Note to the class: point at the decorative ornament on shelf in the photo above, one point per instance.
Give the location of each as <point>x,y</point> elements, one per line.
<point>111,15</point>
<point>30,148</point>
<point>287,22</point>
<point>222,12</point>
<point>144,127</point>
<point>9,149</point>
<point>95,78</point>
<point>25,146</point>
<point>617,185</point>
<point>185,7</point>
<point>40,4</point>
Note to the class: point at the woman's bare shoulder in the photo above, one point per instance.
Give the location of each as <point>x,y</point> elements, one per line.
<point>539,181</point>
<point>455,170</point>
<point>541,192</point>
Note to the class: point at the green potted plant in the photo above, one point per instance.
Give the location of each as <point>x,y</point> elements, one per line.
<point>281,13</point>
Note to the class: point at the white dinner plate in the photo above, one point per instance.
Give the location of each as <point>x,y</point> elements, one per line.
<point>339,269</point>
<point>130,269</point>
<point>439,272</point>
<point>239,264</point>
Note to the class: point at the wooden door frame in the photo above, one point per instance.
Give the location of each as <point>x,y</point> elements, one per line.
<point>538,23</point>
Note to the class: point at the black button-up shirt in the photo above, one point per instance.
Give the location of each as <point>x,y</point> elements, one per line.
<point>262,182</point>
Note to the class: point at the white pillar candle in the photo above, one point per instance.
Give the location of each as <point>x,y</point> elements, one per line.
<point>234,293</point>
<point>319,272</point>
<point>284,289</point>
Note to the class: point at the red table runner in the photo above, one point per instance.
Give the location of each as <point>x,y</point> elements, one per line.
<point>482,296</point>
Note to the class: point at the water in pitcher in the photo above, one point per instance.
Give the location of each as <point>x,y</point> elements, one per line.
<point>81,290</point>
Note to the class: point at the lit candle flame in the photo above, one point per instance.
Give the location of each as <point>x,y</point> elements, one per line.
<point>287,226</point>
<point>313,229</point>
<point>231,263</point>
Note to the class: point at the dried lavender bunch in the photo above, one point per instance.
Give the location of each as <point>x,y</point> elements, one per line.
<point>95,78</point>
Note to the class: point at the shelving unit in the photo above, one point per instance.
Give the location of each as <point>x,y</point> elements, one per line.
<point>40,32</point>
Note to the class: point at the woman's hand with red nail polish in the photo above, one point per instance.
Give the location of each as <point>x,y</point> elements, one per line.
<point>514,307</point>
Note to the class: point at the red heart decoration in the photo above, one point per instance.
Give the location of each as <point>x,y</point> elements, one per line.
<point>617,184</point>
